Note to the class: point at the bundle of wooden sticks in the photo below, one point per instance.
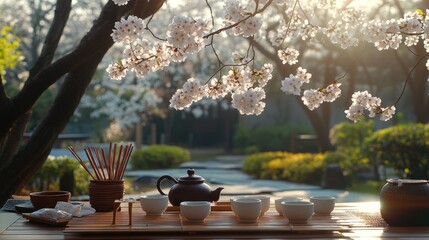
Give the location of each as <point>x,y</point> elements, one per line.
<point>106,167</point>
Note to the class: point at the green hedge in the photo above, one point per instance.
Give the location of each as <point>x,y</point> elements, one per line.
<point>158,157</point>
<point>348,139</point>
<point>300,167</point>
<point>50,176</point>
<point>403,147</point>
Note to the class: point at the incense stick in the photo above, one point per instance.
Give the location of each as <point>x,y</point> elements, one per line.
<point>105,168</point>
<point>80,161</point>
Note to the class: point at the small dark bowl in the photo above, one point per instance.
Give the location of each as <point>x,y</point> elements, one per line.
<point>48,199</point>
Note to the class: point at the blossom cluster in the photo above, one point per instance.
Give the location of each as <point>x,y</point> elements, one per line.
<point>288,55</point>
<point>236,11</point>
<point>139,99</point>
<point>362,101</point>
<point>293,83</point>
<point>246,86</point>
<point>312,98</point>
<point>186,35</point>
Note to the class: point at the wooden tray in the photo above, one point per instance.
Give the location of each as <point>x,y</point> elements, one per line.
<point>218,221</point>
<point>44,220</point>
<point>214,208</point>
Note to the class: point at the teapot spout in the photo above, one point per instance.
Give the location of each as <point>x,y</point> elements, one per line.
<point>215,194</point>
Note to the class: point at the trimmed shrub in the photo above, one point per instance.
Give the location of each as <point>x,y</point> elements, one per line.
<point>300,167</point>
<point>348,138</point>
<point>158,157</point>
<point>256,164</point>
<point>403,147</point>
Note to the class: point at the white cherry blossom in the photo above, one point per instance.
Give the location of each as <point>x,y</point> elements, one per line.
<point>242,78</point>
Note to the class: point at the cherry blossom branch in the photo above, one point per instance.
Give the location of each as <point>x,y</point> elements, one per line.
<point>290,21</point>
<point>256,12</point>
<point>220,63</point>
<point>151,32</point>
<point>229,65</point>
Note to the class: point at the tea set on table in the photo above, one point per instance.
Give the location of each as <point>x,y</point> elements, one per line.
<point>194,198</point>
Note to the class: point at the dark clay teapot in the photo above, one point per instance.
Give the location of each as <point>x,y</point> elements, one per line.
<point>189,188</point>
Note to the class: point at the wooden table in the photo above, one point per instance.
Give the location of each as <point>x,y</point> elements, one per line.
<point>362,220</point>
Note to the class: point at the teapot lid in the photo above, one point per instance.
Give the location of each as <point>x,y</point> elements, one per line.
<point>191,177</point>
<point>401,181</point>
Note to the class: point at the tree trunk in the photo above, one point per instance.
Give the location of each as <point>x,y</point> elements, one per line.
<point>81,65</point>
<point>419,88</point>
<point>316,117</point>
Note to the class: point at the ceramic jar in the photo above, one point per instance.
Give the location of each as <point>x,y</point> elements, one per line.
<point>405,202</point>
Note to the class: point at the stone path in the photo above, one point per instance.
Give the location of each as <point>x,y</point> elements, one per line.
<point>225,171</point>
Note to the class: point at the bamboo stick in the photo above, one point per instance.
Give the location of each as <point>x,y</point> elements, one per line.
<point>109,172</point>
<point>117,162</point>
<point>114,155</point>
<point>82,163</point>
<point>92,162</point>
<point>100,162</point>
<point>110,153</point>
<point>106,168</point>
<point>126,161</point>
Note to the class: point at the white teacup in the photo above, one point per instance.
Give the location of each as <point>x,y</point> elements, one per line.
<point>297,211</point>
<point>278,202</point>
<point>323,204</point>
<point>231,201</point>
<point>265,202</point>
<point>154,205</point>
<point>195,211</point>
<point>247,210</point>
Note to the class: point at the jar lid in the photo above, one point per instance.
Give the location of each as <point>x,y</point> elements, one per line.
<point>191,177</point>
<point>406,181</point>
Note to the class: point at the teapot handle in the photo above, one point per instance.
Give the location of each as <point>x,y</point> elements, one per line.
<point>158,183</point>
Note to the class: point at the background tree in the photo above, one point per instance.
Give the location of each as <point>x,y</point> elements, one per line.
<point>10,56</point>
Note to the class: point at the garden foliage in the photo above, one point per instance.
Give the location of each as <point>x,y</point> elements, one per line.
<point>52,173</point>
<point>159,156</point>
<point>348,139</point>
<point>295,167</point>
<point>403,147</point>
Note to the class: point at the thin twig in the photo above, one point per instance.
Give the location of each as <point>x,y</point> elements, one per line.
<point>409,77</point>
<point>242,20</point>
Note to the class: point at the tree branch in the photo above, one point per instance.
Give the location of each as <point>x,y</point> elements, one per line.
<point>242,20</point>
<point>62,12</point>
<point>90,45</point>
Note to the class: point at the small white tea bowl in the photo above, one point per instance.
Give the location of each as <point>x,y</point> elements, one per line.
<point>297,211</point>
<point>231,201</point>
<point>247,210</point>
<point>323,204</point>
<point>265,202</point>
<point>195,211</point>
<point>278,202</point>
<point>154,205</point>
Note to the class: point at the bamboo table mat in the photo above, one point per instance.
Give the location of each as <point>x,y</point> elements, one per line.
<point>217,221</point>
